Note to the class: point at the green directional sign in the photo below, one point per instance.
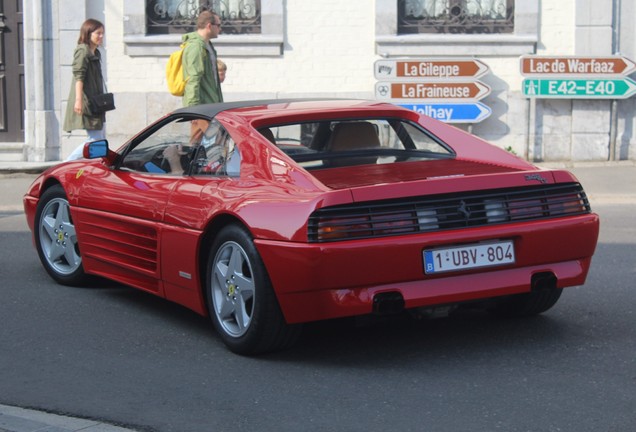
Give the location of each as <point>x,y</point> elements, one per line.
<point>579,88</point>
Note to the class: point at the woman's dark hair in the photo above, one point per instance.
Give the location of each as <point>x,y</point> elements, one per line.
<point>89,26</point>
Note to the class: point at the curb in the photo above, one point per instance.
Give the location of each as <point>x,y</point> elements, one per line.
<point>590,164</point>
<point>14,419</point>
<point>25,167</point>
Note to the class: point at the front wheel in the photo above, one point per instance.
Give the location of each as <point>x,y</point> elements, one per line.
<point>241,300</point>
<point>56,240</point>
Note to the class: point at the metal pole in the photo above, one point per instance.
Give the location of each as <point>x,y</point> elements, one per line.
<point>616,42</point>
<point>530,130</point>
<point>613,130</point>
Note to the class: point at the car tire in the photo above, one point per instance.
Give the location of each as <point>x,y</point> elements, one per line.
<point>56,240</point>
<point>527,304</point>
<point>241,301</point>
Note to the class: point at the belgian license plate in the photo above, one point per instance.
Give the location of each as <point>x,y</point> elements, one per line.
<point>468,256</point>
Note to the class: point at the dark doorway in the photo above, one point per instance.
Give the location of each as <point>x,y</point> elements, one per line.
<point>11,71</point>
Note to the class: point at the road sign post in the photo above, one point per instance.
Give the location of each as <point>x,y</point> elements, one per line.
<point>442,88</point>
<point>579,77</point>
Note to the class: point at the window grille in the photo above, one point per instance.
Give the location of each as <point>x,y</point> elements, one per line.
<point>179,16</point>
<point>455,16</point>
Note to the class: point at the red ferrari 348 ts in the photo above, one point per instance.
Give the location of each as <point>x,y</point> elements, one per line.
<point>268,214</point>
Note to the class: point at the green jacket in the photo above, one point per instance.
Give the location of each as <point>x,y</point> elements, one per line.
<point>202,79</point>
<point>86,68</point>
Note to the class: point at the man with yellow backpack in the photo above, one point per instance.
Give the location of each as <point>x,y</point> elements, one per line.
<point>198,81</point>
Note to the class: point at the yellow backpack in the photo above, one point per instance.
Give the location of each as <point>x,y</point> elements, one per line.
<point>174,72</point>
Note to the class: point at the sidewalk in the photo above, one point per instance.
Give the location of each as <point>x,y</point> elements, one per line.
<point>25,167</point>
<point>13,419</point>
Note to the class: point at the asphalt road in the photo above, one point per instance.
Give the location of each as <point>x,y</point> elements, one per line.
<point>112,353</point>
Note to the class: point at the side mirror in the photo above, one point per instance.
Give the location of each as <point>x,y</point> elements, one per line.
<point>96,149</point>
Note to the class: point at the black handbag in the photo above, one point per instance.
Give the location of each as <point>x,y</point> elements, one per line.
<point>99,104</point>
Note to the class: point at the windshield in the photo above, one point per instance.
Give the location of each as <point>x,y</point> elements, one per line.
<point>336,143</point>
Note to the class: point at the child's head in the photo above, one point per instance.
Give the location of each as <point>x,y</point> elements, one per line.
<point>222,67</point>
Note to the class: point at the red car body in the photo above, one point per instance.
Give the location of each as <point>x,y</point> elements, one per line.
<point>154,231</point>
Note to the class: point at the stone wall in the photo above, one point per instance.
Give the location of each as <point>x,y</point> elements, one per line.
<point>328,48</point>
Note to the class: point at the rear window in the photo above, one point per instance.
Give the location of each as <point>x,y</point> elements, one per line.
<point>337,143</point>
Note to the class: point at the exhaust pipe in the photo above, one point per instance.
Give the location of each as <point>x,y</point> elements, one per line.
<point>543,281</point>
<point>388,303</point>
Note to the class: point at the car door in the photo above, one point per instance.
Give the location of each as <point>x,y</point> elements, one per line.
<point>121,209</point>
<point>192,204</point>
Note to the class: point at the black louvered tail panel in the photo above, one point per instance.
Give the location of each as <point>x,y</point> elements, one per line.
<point>446,212</point>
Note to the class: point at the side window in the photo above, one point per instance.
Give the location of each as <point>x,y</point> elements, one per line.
<point>166,151</point>
<point>421,140</point>
<point>218,153</point>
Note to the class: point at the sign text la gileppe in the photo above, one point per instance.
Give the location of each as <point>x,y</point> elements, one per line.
<point>430,68</point>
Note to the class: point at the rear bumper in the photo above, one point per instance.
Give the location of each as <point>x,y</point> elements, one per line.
<point>330,280</point>
<point>317,305</point>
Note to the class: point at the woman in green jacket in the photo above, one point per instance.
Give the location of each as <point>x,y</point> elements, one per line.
<point>87,82</point>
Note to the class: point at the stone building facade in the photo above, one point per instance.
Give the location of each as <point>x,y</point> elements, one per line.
<point>328,49</point>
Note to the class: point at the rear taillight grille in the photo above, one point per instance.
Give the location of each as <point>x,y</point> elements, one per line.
<point>445,212</point>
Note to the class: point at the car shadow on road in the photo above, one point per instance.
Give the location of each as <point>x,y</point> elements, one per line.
<point>381,342</point>
<point>368,341</point>
<point>150,305</point>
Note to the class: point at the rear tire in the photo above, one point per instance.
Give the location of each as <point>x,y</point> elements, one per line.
<point>241,301</point>
<point>527,304</point>
<point>56,240</point>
